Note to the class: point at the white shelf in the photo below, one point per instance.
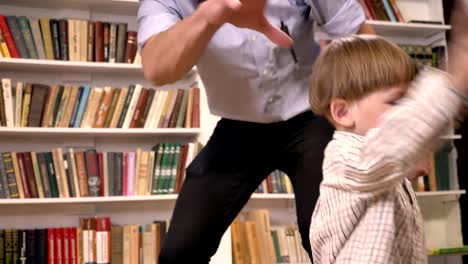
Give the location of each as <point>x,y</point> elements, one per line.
<point>440,193</point>
<point>290,196</point>
<point>167,197</point>
<point>108,132</point>
<point>272,196</point>
<point>89,200</point>
<point>128,7</point>
<point>58,66</point>
<point>407,30</point>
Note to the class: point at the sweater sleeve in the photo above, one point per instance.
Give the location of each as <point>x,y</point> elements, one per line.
<point>404,136</point>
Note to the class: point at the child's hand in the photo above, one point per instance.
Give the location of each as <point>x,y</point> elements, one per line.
<point>458,46</point>
<point>422,168</point>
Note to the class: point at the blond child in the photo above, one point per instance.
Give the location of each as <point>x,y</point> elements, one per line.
<point>385,123</point>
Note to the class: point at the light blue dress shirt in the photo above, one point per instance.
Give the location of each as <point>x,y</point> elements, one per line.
<point>246,76</point>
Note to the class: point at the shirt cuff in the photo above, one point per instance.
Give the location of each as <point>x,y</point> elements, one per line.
<point>346,21</point>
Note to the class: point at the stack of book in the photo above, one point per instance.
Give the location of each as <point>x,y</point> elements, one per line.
<point>66,39</point>
<point>88,172</point>
<point>76,106</point>
<point>95,240</point>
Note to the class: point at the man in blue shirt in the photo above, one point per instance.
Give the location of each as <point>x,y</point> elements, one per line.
<point>257,81</point>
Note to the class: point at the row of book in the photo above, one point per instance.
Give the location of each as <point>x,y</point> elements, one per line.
<point>438,178</point>
<point>66,39</point>
<point>40,105</point>
<point>276,182</point>
<point>95,240</point>
<point>89,173</point>
<point>426,55</point>
<point>386,10</point>
<point>83,173</point>
<point>255,240</point>
<point>422,55</point>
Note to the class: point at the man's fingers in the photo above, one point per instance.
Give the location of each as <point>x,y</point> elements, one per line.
<point>275,34</point>
<point>233,4</point>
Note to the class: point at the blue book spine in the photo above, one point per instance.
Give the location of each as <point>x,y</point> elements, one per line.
<point>82,106</point>
<point>389,10</point>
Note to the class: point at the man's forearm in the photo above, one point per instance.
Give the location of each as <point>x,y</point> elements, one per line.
<point>168,56</point>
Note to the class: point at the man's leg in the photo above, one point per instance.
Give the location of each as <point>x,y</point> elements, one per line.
<point>306,137</point>
<point>218,184</point>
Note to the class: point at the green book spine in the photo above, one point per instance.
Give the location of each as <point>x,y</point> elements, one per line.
<point>169,163</point>
<point>8,246</point>
<point>274,234</point>
<point>164,168</point>
<point>157,168</point>
<point>25,28</point>
<point>52,177</point>
<point>454,250</point>
<point>11,177</point>
<point>56,106</point>
<point>174,165</point>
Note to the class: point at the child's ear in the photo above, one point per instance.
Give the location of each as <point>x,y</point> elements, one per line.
<point>342,113</point>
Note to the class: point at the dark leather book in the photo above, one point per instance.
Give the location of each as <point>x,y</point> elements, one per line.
<point>55,33</point>
<point>38,100</point>
<point>92,169</point>
<point>63,38</point>
<point>131,46</point>
<point>98,41</point>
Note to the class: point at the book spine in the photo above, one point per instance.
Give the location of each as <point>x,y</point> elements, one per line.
<point>6,33</point>
<point>17,36</point>
<point>23,23</point>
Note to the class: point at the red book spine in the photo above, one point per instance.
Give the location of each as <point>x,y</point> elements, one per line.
<point>58,245</point>
<point>51,246</point>
<point>196,108</point>
<point>28,166</point>
<point>101,174</point>
<point>140,106</point>
<point>269,184</point>
<point>8,38</point>
<point>370,8</point>
<point>131,46</point>
<point>181,168</point>
<point>20,158</point>
<point>65,246</point>
<point>72,245</point>
<point>98,41</point>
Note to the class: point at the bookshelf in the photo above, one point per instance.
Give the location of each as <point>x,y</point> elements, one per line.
<point>123,210</point>
<point>440,208</point>
<point>36,65</point>
<point>122,7</point>
<point>98,132</point>
<point>407,30</point>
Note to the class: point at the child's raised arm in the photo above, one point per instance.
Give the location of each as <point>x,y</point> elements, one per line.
<point>413,128</point>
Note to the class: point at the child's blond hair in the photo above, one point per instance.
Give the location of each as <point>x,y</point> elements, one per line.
<point>351,68</point>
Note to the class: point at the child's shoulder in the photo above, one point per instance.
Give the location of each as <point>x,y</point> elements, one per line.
<point>343,141</point>
<point>345,146</point>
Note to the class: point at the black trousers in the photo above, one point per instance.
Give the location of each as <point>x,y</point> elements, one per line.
<point>236,159</point>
